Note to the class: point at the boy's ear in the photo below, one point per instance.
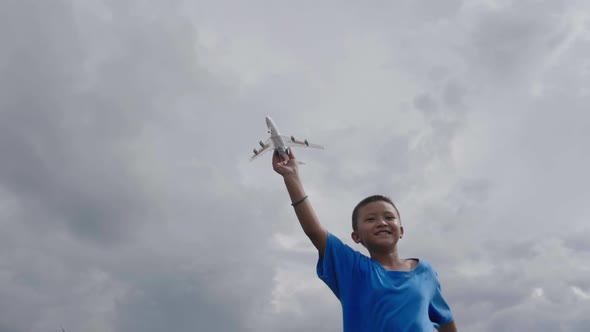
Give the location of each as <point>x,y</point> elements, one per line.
<point>355,237</point>
<point>401,232</point>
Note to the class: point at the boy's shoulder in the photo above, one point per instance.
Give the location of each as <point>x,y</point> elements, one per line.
<point>420,264</point>
<point>412,262</point>
<point>425,265</point>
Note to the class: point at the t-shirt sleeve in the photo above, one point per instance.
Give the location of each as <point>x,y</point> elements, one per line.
<point>336,266</point>
<point>439,310</point>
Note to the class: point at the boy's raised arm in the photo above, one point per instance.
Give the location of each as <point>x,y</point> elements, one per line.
<point>303,209</point>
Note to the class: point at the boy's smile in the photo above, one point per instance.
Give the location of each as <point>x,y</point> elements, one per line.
<point>378,226</point>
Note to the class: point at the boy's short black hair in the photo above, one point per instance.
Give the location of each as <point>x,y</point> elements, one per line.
<point>370,199</point>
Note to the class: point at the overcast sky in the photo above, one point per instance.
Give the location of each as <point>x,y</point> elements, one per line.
<point>127,201</point>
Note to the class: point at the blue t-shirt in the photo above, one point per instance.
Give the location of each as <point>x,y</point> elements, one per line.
<point>374,299</point>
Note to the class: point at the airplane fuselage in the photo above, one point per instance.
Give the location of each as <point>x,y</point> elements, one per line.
<point>276,138</point>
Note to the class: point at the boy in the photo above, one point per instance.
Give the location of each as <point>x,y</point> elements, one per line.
<point>378,293</point>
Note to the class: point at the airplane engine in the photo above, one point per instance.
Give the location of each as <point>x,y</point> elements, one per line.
<point>306,142</point>
<point>261,144</point>
<point>255,152</point>
<point>293,138</point>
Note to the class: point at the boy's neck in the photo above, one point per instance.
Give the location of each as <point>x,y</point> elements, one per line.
<point>390,259</point>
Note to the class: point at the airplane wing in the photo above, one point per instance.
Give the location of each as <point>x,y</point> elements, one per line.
<point>267,146</point>
<point>292,141</point>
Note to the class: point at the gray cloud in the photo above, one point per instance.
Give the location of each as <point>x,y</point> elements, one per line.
<point>88,103</point>
<point>510,41</point>
<point>425,103</point>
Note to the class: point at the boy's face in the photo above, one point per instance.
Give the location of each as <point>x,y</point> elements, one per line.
<point>378,226</point>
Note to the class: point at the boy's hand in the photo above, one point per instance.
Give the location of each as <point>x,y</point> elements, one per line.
<point>285,166</point>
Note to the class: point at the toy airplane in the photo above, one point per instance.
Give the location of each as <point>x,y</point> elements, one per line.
<point>279,142</point>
